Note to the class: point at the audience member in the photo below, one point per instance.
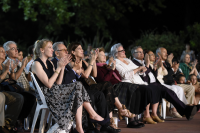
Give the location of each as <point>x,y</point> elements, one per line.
<point>161,72</point>
<point>70,76</point>
<point>128,70</point>
<point>169,78</point>
<point>190,52</point>
<point>2,106</point>
<point>30,53</point>
<point>71,97</point>
<point>193,80</point>
<point>187,67</point>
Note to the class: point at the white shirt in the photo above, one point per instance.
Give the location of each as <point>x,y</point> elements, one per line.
<point>151,76</point>
<point>127,72</point>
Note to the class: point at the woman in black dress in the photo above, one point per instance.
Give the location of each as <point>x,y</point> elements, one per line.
<point>64,101</point>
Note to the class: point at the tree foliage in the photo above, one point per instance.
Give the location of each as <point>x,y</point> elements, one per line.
<point>53,14</point>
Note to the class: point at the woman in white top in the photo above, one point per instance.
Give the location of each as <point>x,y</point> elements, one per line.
<point>129,72</point>
<point>161,72</point>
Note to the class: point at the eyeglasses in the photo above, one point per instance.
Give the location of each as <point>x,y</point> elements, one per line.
<point>65,50</point>
<point>121,50</point>
<point>14,49</point>
<point>139,52</point>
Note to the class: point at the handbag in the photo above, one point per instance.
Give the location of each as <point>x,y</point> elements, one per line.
<point>90,81</point>
<point>11,85</point>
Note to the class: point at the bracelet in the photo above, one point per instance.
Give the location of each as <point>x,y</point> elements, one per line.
<point>57,72</point>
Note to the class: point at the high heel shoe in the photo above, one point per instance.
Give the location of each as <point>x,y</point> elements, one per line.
<point>157,119</point>
<point>149,121</point>
<point>127,113</point>
<point>104,122</point>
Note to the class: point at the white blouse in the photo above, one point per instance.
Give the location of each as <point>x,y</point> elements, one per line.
<point>127,72</point>
<point>161,73</point>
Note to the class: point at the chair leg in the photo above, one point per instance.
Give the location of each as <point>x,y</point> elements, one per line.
<point>50,121</point>
<point>26,124</point>
<point>163,108</point>
<point>43,120</point>
<point>34,120</point>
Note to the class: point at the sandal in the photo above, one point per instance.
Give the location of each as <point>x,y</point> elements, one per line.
<point>126,113</point>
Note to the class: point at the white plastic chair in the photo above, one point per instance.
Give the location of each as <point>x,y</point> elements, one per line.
<point>39,107</point>
<point>163,109</point>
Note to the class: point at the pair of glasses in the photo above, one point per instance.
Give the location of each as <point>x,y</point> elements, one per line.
<point>65,50</point>
<point>14,49</point>
<point>121,50</point>
<point>139,52</point>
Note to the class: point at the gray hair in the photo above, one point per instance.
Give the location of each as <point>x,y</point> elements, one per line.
<point>55,45</point>
<point>158,50</point>
<point>6,45</point>
<point>135,49</point>
<point>114,50</point>
<point>182,59</point>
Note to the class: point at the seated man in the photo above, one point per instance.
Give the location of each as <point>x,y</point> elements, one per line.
<point>70,76</point>
<point>169,79</point>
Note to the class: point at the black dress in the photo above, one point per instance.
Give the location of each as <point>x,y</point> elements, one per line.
<point>62,100</point>
<point>105,87</point>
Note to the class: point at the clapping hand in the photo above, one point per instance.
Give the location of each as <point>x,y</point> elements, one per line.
<point>13,65</point>
<point>113,65</point>
<point>170,57</point>
<point>24,62</point>
<point>146,58</point>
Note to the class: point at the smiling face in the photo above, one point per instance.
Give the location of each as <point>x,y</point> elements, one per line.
<point>61,51</point>
<point>151,56</point>
<point>2,53</point>
<point>20,56</point>
<point>182,80</point>
<point>193,79</point>
<point>138,54</point>
<point>101,58</point>
<point>120,53</point>
<point>78,52</point>
<point>12,52</point>
<point>47,50</point>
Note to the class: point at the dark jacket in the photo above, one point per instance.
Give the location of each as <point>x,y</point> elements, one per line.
<point>146,78</point>
<point>69,74</point>
<point>169,78</point>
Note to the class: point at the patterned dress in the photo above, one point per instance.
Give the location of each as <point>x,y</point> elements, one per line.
<point>62,100</point>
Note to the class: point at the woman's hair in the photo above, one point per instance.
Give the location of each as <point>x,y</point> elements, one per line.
<point>114,49</point>
<point>71,47</point>
<point>182,60</point>
<point>40,44</point>
<point>190,76</point>
<point>19,50</point>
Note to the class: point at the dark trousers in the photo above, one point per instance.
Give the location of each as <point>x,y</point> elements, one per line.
<point>14,102</point>
<point>170,96</point>
<point>99,101</point>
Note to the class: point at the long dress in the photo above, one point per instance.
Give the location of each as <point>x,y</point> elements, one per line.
<point>62,100</point>
<point>134,97</point>
<point>105,87</point>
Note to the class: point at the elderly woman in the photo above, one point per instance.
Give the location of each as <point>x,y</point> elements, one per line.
<point>161,72</point>
<point>135,97</point>
<point>130,72</point>
<point>186,67</point>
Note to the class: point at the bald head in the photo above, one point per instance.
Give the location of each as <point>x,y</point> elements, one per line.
<point>162,52</point>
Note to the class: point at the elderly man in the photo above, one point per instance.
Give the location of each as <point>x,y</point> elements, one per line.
<point>169,79</point>
<point>70,75</point>
<point>18,74</point>
<point>149,77</point>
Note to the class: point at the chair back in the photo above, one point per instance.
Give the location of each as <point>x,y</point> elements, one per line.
<point>38,89</point>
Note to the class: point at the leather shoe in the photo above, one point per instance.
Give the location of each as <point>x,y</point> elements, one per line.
<point>140,123</point>
<point>190,111</point>
<point>134,124</point>
<point>109,129</point>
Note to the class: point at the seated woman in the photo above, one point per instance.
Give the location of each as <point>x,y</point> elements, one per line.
<point>90,68</point>
<point>2,115</point>
<point>161,72</point>
<point>186,67</point>
<point>136,97</point>
<point>193,80</point>
<point>65,102</point>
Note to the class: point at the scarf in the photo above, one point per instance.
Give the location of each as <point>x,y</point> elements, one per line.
<point>114,74</point>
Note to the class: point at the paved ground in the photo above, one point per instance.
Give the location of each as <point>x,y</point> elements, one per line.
<point>170,126</point>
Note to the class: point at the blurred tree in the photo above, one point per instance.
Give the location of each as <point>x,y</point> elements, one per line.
<point>53,14</point>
